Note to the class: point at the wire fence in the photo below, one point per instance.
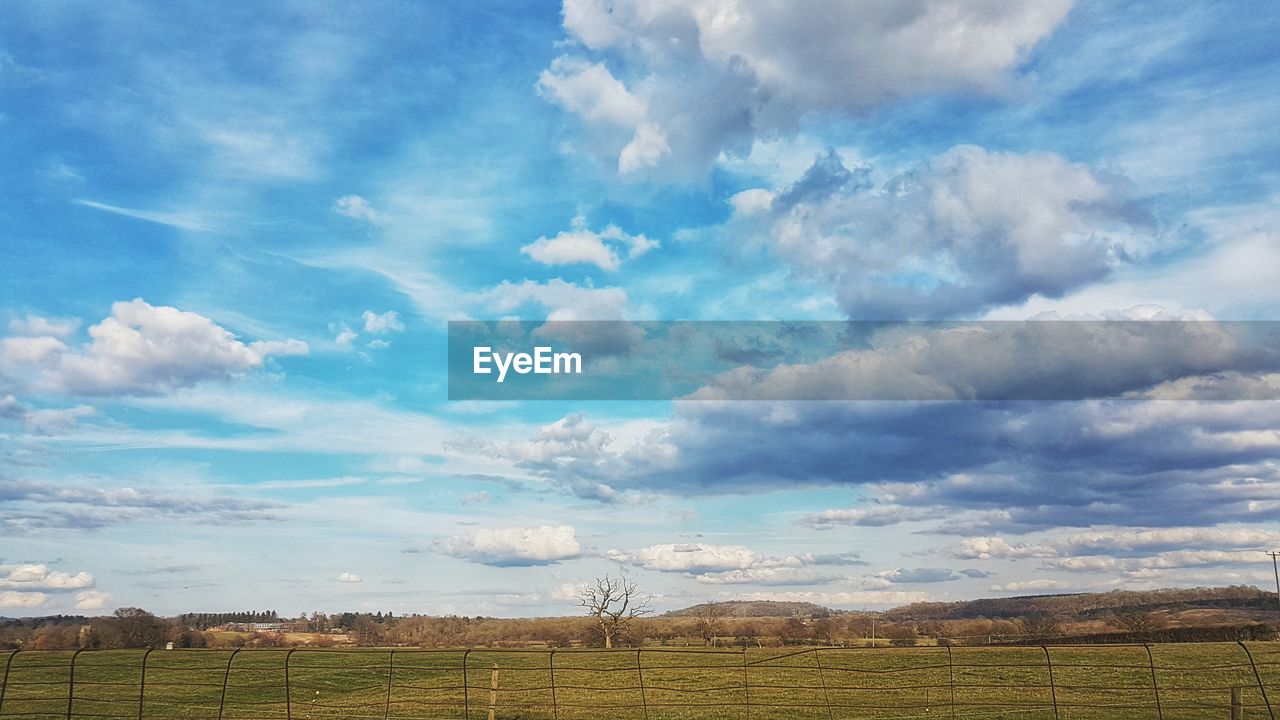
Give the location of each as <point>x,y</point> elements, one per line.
<point>1164,682</point>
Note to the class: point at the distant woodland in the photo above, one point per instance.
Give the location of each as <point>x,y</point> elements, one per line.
<point>1224,613</point>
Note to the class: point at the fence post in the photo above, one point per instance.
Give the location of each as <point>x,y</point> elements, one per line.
<point>142,682</point>
<point>391,668</point>
<point>466,691</point>
<point>822,678</point>
<point>288,692</point>
<point>222,703</point>
<point>1257,676</point>
<point>71,682</point>
<point>1053,688</point>
<point>1237,706</point>
<point>1155,686</point>
<point>551,665</point>
<point>951,681</point>
<point>493,692</point>
<point>8,665</point>
<point>746,685</point>
<point>644,702</point>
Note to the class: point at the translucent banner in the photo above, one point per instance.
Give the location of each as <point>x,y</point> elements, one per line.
<point>857,360</point>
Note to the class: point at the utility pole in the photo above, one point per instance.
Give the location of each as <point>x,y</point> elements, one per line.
<point>1276,569</point>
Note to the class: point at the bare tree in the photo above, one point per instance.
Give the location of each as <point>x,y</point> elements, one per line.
<point>709,621</point>
<point>614,603</point>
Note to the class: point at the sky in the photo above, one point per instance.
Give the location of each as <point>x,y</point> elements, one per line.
<point>232,236</point>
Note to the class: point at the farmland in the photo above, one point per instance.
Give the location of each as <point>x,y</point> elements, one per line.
<point>1169,681</point>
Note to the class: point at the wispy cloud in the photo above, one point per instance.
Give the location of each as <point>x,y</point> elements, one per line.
<point>193,221</point>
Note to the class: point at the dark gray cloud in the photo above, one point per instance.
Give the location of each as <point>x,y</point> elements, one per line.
<point>973,467</point>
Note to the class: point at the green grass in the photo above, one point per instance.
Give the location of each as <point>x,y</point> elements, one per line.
<point>1090,683</point>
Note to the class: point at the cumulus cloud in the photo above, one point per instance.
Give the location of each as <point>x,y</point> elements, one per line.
<point>576,454</point>
<point>736,564</point>
<point>697,79</point>
<point>381,324</point>
<point>964,231</point>
<point>700,558</point>
<point>1169,538</point>
<point>987,548</point>
<point>92,600</point>
<point>1174,546</point>
<point>514,547</point>
<point>140,349</point>
<point>357,208</point>
<point>605,249</point>
<point>348,577</point>
<point>928,575</point>
<point>42,420</point>
<point>568,591</point>
<point>34,576</point>
<point>561,299</point>
<point>37,326</point>
<point>769,575</point>
<point>22,600</point>
<point>345,337</point>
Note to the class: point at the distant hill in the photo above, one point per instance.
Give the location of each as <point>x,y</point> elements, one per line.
<point>1242,601</point>
<point>1086,605</point>
<point>755,609</point>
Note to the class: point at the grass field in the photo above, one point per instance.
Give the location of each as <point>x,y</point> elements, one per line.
<point>1194,681</point>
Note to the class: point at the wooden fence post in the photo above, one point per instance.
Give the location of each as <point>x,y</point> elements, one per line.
<point>1237,707</point>
<point>493,692</point>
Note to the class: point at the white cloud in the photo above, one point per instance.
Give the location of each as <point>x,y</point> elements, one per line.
<point>380,324</point>
<point>987,548</point>
<point>563,300</point>
<point>706,559</point>
<point>967,230</point>
<point>605,249</point>
<point>36,326</point>
<point>841,599</point>
<point>711,75</point>
<point>140,349</point>
<point>873,516</point>
<point>647,147</point>
<point>357,208</point>
<point>505,547</point>
<point>92,600</point>
<point>590,90</point>
<point>33,576</point>
<point>768,575</point>
<point>567,591</point>
<point>182,220</point>
<point>345,337</point>
<point>347,577</point>
<point>22,600</point>
<point>1041,585</point>
<point>1120,540</point>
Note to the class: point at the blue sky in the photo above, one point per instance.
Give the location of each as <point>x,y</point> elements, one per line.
<point>232,237</point>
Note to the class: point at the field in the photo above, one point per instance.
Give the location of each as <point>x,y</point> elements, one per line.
<point>1170,681</point>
